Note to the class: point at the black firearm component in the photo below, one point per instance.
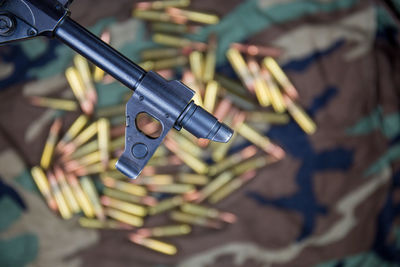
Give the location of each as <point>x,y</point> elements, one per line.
<point>169,102</point>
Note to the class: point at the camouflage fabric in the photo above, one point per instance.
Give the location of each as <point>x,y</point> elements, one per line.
<point>333,201</point>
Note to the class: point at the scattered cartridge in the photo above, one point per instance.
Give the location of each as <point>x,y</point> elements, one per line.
<point>82,65</point>
<point>175,41</point>
<point>90,189</point>
<point>62,205</point>
<point>300,116</point>
<point>195,16</point>
<point>66,190</point>
<point>165,230</point>
<point>124,217</point>
<point>81,197</point>
<point>54,103</point>
<point>117,194</point>
<point>130,208</point>
<point>172,188</point>
<point>72,132</point>
<point>104,224</point>
<point>153,244</point>
<point>42,183</point>
<point>281,77</point>
<point>125,186</point>
<point>194,219</point>
<point>230,187</point>
<point>208,212</point>
<point>51,141</point>
<point>259,140</point>
<point>104,140</point>
<point>78,88</point>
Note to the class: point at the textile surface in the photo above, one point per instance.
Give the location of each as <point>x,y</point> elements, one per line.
<point>334,200</point>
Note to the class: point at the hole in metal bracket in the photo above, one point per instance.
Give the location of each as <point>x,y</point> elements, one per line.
<point>148,125</point>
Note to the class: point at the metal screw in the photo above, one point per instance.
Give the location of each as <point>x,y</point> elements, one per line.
<point>31,32</point>
<point>139,150</point>
<point>6,25</point>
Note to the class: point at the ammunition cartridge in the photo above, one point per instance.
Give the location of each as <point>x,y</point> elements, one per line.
<point>252,164</point>
<point>79,163</point>
<point>194,16</point>
<point>83,150</point>
<point>90,190</point>
<point>80,196</point>
<point>167,204</point>
<point>231,186</point>
<point>156,5</point>
<point>260,86</point>
<point>124,217</point>
<point>214,185</point>
<point>267,117</point>
<point>54,103</point>
<point>73,131</point>
<point>95,168</point>
<point>231,85</point>
<point>66,190</point>
<point>113,174</point>
<point>127,207</point>
<point>260,140</point>
<point>78,88</point>
<point>103,134</point>
<point>153,244</point>
<point>161,151</point>
<point>82,138</point>
<point>63,208</point>
<point>165,63</point>
<point>242,102</point>
<point>43,185</point>
<point>208,212</point>
<point>300,116</point>
<point>275,94</point>
<point>240,67</point>
<point>172,188</point>
<point>175,41</point>
<point>194,219</point>
<point>105,224</point>
<point>82,66</point>
<point>51,141</point>
<point>158,179</point>
<point>146,200</point>
<point>191,178</point>
<point>196,65</point>
<point>165,27</point>
<point>186,145</point>
<point>196,164</point>
<point>165,52</point>
<point>124,186</point>
<point>155,15</point>
<point>210,96</point>
<point>281,77</point>
<point>165,230</point>
<point>232,160</point>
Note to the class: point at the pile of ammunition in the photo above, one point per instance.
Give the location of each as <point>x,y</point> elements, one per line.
<point>77,172</point>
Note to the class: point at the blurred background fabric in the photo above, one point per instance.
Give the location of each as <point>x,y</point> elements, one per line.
<point>333,201</point>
